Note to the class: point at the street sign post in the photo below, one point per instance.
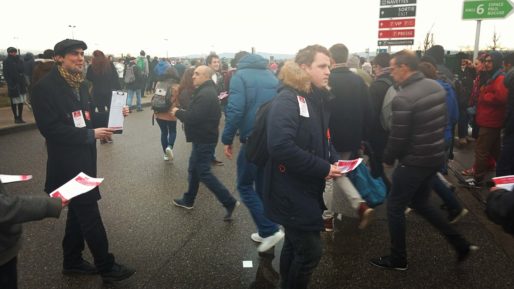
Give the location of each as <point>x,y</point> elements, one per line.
<point>400,11</point>
<point>492,9</point>
<point>485,9</point>
<point>399,33</point>
<point>396,2</point>
<point>393,42</point>
<point>400,23</point>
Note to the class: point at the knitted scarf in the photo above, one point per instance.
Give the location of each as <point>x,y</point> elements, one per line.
<point>73,79</point>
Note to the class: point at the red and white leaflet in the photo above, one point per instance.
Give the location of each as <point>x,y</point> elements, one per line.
<point>505,182</point>
<point>348,166</point>
<point>223,95</point>
<point>79,185</point>
<point>14,178</point>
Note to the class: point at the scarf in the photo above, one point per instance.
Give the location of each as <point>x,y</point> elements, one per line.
<point>73,79</point>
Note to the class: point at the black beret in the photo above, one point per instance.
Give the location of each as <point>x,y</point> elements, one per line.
<point>67,45</point>
<point>11,49</point>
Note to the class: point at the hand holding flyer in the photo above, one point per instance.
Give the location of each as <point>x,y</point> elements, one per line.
<point>79,185</point>
<point>348,165</point>
<point>505,182</point>
<point>14,178</point>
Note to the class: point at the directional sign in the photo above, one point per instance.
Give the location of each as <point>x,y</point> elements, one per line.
<point>401,33</point>
<point>396,42</point>
<point>486,9</point>
<point>396,2</point>
<point>400,23</point>
<point>400,11</point>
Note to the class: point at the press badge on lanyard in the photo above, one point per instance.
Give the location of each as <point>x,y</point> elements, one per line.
<point>304,110</point>
<point>78,119</point>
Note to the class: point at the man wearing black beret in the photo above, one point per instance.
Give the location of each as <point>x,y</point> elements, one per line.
<point>70,125</point>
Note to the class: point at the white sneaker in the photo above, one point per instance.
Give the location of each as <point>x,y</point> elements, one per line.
<point>270,241</point>
<point>169,153</point>
<point>166,158</point>
<point>256,237</point>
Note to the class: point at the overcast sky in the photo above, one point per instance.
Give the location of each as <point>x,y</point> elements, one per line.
<point>200,26</point>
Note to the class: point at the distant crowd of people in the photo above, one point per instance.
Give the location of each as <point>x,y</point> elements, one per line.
<point>323,106</point>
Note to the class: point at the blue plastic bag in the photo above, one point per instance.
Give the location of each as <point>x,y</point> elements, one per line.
<point>372,190</point>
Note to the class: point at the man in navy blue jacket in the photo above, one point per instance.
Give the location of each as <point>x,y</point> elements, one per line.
<point>252,85</point>
<point>300,162</point>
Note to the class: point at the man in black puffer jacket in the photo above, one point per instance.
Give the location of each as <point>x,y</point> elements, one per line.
<point>417,141</point>
<point>201,121</point>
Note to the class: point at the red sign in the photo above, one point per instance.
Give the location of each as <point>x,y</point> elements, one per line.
<point>401,33</point>
<point>410,22</point>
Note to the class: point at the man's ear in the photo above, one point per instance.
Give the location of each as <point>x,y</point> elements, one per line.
<point>304,66</point>
<point>59,58</point>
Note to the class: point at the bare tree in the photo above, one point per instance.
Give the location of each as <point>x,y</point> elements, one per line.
<point>429,39</point>
<point>496,41</point>
<point>428,42</point>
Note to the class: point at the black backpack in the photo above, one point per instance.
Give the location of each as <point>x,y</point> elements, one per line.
<point>161,100</point>
<point>257,143</point>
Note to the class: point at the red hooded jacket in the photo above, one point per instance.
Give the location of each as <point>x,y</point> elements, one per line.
<point>492,103</point>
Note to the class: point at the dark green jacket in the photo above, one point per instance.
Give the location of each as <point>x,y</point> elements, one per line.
<point>15,210</point>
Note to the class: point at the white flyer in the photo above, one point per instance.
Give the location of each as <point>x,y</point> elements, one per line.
<point>14,178</point>
<point>348,166</point>
<point>505,182</point>
<point>116,118</point>
<point>79,185</point>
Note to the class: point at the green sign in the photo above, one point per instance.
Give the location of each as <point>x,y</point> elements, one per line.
<point>486,9</point>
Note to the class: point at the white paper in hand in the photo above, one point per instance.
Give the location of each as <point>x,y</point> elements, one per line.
<point>116,118</point>
<point>14,178</point>
<point>505,182</point>
<point>79,185</point>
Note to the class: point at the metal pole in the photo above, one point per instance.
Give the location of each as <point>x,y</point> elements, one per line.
<point>477,39</point>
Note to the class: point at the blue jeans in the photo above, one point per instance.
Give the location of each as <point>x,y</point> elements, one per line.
<point>131,94</point>
<point>249,174</point>
<point>411,187</point>
<point>200,171</point>
<point>168,132</point>
<point>300,255</point>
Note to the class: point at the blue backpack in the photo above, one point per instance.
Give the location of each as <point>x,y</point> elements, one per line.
<point>372,190</point>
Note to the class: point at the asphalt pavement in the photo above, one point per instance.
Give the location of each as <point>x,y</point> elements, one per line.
<point>175,248</point>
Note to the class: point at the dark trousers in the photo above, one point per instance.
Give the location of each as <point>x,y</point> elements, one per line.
<point>200,171</point>
<point>411,187</point>
<point>300,255</point>
<point>9,275</point>
<point>505,165</point>
<point>462,124</point>
<point>17,110</point>
<point>84,223</point>
<point>488,144</point>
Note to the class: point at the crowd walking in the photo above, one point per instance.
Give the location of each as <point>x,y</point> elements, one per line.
<point>399,112</point>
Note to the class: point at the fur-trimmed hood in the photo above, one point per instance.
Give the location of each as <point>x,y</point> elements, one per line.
<point>292,75</point>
